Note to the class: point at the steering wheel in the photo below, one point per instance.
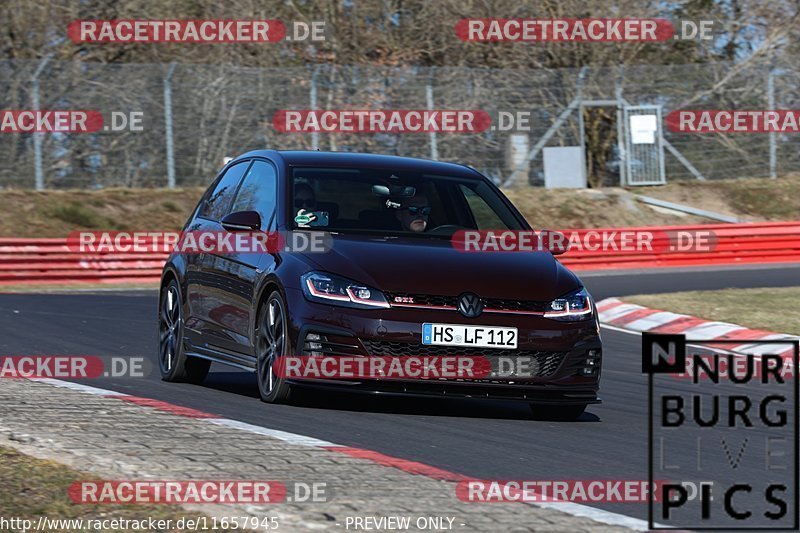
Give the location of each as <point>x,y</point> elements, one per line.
<point>444,229</point>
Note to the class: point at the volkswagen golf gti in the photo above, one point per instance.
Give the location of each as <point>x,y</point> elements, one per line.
<point>388,283</point>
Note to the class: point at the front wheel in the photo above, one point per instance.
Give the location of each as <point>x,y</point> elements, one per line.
<point>173,362</point>
<point>272,340</point>
<point>564,413</point>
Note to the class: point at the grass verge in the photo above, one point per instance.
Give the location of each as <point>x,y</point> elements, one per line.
<point>57,213</point>
<point>31,487</point>
<point>772,309</point>
<point>77,287</point>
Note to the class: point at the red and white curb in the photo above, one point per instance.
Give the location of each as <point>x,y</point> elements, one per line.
<point>405,465</point>
<point>636,318</point>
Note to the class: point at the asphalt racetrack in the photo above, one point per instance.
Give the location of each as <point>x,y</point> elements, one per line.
<point>483,439</point>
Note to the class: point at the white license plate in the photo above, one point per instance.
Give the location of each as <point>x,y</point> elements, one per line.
<point>463,335</point>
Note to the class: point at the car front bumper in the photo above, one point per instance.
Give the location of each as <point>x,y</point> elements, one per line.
<point>560,349</point>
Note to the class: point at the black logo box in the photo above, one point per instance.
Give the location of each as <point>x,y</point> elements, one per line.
<point>678,366</point>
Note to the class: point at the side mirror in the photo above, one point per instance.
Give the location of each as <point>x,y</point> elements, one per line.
<point>242,221</point>
<point>555,241</point>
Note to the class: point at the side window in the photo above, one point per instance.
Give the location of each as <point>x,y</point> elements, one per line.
<point>217,203</point>
<point>484,215</point>
<point>257,192</point>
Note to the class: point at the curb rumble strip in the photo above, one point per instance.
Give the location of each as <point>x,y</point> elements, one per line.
<point>410,467</point>
<point>636,319</point>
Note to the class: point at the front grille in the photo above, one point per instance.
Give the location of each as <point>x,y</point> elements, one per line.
<point>515,305</point>
<point>496,304</point>
<point>424,299</point>
<point>547,362</point>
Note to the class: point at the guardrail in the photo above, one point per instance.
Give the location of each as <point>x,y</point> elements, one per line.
<point>734,244</point>
<point>52,261</point>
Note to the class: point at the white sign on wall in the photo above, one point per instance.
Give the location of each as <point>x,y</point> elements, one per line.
<point>643,129</point>
<point>564,167</point>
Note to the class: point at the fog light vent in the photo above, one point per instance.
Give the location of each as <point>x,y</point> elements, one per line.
<point>591,364</point>
<point>313,344</point>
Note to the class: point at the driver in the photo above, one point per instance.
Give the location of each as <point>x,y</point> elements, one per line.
<point>304,197</point>
<point>413,213</point>
<point>305,202</point>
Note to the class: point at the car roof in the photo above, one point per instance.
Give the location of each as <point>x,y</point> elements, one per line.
<point>355,159</point>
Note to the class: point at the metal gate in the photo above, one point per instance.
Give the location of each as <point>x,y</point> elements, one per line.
<point>644,147</point>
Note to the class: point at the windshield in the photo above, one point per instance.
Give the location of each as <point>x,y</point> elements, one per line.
<point>392,202</point>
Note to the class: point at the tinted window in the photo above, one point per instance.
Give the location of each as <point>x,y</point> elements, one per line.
<point>485,217</point>
<point>216,205</point>
<point>257,192</point>
<point>389,201</point>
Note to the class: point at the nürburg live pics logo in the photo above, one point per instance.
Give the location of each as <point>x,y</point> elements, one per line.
<point>723,443</point>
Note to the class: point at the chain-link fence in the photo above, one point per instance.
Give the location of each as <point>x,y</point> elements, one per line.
<point>195,115</point>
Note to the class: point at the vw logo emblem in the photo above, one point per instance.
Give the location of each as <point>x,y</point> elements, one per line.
<point>470,305</point>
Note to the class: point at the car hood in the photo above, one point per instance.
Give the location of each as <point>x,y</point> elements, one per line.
<point>433,266</point>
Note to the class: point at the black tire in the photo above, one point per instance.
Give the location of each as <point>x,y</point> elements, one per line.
<point>173,362</point>
<point>272,342</point>
<point>564,413</point>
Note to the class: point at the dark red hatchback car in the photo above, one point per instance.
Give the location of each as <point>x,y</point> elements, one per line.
<point>388,283</point>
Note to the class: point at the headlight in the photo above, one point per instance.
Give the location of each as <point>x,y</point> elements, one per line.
<point>330,289</point>
<point>574,306</point>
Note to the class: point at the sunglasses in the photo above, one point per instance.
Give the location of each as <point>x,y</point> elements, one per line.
<point>304,202</point>
<point>414,210</point>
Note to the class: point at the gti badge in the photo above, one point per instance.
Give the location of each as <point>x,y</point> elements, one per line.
<point>470,305</point>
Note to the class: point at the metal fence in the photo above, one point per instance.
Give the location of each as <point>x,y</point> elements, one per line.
<point>195,115</point>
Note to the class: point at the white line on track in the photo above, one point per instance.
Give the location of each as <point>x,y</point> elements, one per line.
<point>79,387</point>
<point>291,438</point>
